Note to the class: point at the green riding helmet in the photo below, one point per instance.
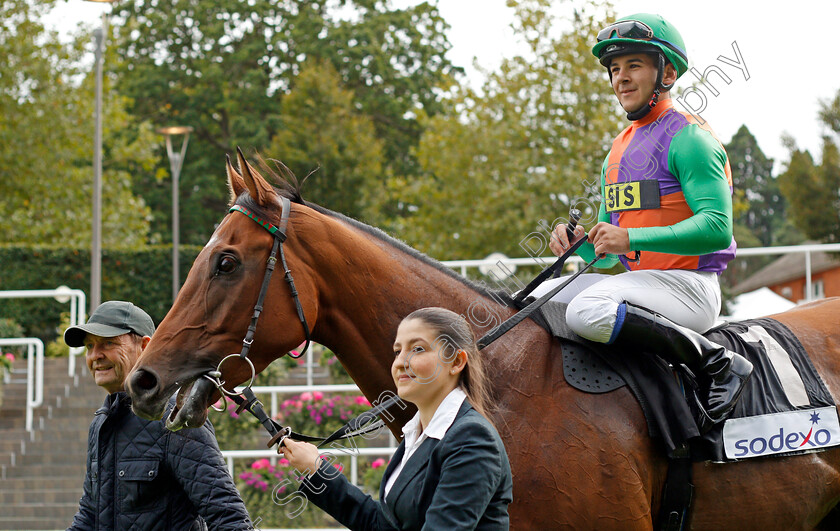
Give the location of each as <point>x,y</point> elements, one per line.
<point>642,32</point>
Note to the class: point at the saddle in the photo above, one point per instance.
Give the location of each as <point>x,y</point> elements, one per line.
<point>784,401</point>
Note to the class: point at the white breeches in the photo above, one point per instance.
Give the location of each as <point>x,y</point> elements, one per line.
<point>688,298</point>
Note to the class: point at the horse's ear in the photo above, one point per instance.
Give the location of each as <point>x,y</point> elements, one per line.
<point>236,183</point>
<point>258,187</point>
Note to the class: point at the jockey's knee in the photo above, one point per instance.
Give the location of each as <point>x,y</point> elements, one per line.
<point>592,318</point>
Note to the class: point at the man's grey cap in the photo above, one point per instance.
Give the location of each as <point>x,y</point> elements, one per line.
<point>111,319</point>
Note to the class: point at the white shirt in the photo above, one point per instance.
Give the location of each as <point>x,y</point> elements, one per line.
<point>441,422</point>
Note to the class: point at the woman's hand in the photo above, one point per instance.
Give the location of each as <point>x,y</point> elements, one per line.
<point>304,457</point>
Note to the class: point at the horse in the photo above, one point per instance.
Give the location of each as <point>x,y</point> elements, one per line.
<point>579,460</point>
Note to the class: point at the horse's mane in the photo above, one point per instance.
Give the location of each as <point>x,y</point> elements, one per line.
<point>288,186</point>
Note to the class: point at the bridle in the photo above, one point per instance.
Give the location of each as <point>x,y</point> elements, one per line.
<point>247,400</point>
<point>279,234</point>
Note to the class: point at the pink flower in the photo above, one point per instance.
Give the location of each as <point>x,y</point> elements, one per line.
<point>378,463</point>
<point>306,396</point>
<point>283,462</point>
<point>318,395</point>
<point>10,356</point>
<point>362,401</point>
<point>262,485</point>
<point>301,361</point>
<point>260,464</point>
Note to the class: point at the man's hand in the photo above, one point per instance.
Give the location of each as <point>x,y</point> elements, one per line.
<point>559,241</point>
<point>609,239</point>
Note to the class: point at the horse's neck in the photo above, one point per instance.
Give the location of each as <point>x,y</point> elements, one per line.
<point>369,286</point>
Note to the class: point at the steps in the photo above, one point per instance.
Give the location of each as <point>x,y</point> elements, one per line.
<point>42,472</point>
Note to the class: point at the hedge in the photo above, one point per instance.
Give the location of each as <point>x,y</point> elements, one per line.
<point>143,277</point>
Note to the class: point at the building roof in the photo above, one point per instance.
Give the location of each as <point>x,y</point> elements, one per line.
<point>788,267</point>
<point>755,304</point>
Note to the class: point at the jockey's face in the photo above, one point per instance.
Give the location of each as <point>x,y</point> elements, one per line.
<point>634,79</point>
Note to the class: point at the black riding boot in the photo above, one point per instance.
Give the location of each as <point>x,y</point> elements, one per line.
<point>727,370</point>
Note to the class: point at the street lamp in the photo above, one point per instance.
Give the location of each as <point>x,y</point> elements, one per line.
<point>176,160</point>
<point>96,233</point>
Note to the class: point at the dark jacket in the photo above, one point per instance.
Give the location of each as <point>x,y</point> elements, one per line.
<point>462,481</point>
<point>141,476</point>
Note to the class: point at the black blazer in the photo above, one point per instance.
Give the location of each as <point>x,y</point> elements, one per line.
<point>462,481</point>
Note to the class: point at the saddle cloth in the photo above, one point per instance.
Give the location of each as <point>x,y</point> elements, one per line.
<point>785,408</point>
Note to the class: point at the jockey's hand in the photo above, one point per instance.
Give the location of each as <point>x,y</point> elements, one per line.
<point>609,239</point>
<point>559,241</point>
<point>304,457</point>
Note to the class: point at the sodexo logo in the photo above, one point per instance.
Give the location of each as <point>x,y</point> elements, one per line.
<point>778,433</point>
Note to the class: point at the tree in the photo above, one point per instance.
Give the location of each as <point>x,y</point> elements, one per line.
<point>517,152</point>
<point>753,179</point>
<point>46,139</point>
<point>830,113</point>
<point>812,191</point>
<point>225,66</point>
<point>323,133</point>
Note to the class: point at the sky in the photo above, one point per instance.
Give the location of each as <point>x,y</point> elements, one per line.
<point>774,87</point>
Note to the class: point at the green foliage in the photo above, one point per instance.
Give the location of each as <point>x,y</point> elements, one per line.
<point>141,276</point>
<point>762,206</point>
<point>337,373</point>
<point>321,130</point>
<point>225,67</point>
<point>9,328</point>
<point>46,141</point>
<point>830,113</point>
<point>811,189</point>
<point>58,348</point>
<point>518,151</point>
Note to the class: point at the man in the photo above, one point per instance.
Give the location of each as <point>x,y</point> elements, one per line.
<point>139,474</point>
<point>666,216</point>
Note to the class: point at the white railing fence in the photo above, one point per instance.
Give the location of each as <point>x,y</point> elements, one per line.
<point>76,297</point>
<point>34,372</point>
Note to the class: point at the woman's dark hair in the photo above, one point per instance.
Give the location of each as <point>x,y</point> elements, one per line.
<point>453,330</point>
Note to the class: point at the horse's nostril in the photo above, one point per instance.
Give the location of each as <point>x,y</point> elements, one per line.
<point>143,381</point>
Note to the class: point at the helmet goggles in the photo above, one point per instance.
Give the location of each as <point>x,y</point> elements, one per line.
<point>626,29</point>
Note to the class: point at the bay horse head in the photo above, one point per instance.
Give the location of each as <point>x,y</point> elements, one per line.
<point>211,314</point>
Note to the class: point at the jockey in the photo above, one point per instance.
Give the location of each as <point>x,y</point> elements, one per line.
<point>666,216</point>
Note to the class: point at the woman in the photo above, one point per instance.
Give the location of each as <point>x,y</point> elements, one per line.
<point>451,470</point>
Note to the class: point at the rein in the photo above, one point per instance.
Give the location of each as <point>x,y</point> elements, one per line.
<point>248,401</point>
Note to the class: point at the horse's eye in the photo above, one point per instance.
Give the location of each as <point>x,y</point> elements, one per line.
<point>227,265</point>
